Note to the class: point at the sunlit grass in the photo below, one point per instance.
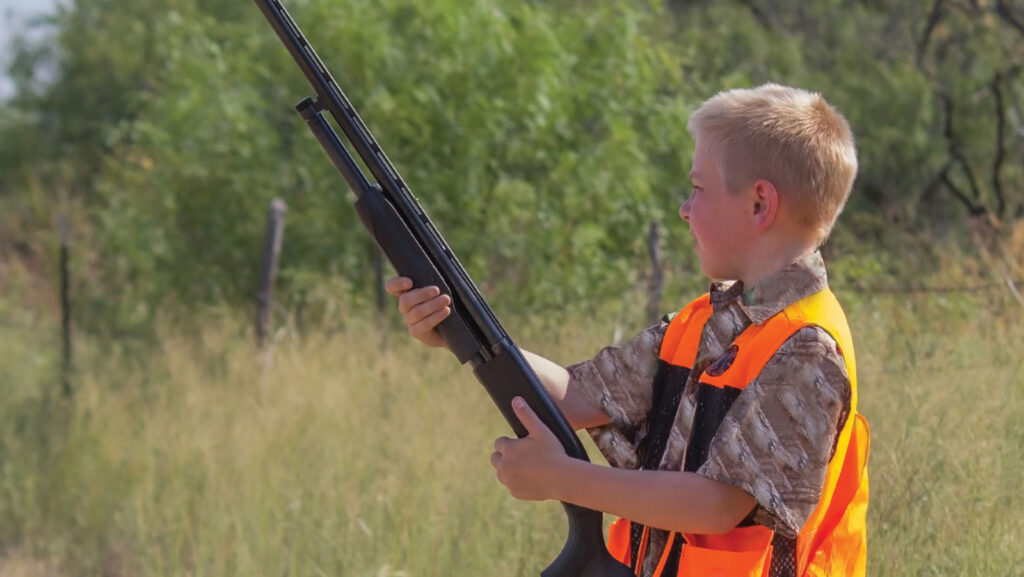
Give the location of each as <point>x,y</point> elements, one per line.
<point>944,390</point>
<point>361,453</point>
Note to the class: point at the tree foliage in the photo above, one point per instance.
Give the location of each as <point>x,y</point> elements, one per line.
<point>541,137</point>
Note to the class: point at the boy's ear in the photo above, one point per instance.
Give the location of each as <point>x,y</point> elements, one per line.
<point>765,198</point>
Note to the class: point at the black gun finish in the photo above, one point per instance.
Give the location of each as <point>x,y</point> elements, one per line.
<point>416,249</point>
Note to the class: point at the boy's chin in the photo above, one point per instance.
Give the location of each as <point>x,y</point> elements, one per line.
<point>716,275</point>
<point>709,270</point>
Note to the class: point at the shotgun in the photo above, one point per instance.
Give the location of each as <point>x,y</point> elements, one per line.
<point>416,249</point>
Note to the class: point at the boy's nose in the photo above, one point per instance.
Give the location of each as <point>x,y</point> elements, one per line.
<point>684,210</point>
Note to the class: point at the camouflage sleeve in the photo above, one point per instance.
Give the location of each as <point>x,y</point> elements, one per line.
<point>619,380</point>
<point>778,438</point>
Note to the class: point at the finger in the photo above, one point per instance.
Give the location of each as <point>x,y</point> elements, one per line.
<point>527,417</point>
<point>412,298</point>
<point>397,285</point>
<point>427,325</point>
<point>503,444</point>
<point>495,459</point>
<point>420,312</point>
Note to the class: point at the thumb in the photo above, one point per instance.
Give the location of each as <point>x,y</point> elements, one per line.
<point>529,419</point>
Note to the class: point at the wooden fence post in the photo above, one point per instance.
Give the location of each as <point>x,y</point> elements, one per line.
<point>657,279</point>
<point>65,304</point>
<point>268,268</point>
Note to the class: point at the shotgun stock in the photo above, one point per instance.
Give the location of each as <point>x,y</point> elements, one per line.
<point>416,249</point>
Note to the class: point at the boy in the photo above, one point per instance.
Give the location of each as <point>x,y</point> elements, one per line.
<point>731,428</point>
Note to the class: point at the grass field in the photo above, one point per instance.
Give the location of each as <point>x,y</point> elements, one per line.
<point>362,454</point>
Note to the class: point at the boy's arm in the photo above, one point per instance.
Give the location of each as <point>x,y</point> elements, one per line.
<point>671,500</point>
<point>424,308</point>
<point>578,410</point>
<point>770,455</point>
<point>536,468</point>
<point>780,435</point>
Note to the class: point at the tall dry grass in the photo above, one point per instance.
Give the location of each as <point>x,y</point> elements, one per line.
<point>360,453</point>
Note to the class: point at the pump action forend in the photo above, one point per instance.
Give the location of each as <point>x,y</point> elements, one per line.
<point>413,245</point>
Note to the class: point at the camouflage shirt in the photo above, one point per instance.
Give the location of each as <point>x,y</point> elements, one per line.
<point>796,406</point>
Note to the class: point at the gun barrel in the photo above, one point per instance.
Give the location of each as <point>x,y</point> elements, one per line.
<point>414,246</point>
<point>333,146</point>
<point>465,295</point>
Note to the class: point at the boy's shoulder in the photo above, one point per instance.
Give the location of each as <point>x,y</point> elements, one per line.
<point>819,341</point>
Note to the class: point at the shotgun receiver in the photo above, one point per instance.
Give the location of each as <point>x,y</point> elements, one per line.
<point>415,248</point>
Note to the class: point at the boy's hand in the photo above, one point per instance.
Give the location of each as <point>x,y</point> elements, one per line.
<point>422,308</point>
<point>529,467</point>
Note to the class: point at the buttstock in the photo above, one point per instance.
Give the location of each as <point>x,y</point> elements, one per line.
<point>584,553</point>
<point>506,376</point>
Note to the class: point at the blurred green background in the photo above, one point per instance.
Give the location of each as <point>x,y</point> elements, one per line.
<point>543,138</point>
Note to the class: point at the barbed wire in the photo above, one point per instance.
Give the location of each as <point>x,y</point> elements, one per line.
<point>897,290</point>
<point>929,367</point>
<point>53,331</point>
<point>923,289</point>
<point>27,328</point>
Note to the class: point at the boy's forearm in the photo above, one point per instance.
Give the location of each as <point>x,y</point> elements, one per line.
<point>579,411</point>
<point>671,500</point>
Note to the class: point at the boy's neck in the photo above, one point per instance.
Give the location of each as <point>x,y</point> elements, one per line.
<point>773,260</point>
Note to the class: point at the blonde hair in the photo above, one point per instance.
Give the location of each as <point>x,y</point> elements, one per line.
<point>788,136</point>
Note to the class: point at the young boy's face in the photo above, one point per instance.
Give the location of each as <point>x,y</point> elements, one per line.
<point>718,218</point>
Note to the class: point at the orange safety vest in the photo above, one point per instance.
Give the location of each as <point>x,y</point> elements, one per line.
<point>833,540</point>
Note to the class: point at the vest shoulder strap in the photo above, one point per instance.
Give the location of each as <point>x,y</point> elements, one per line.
<point>679,346</point>
<point>758,343</point>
